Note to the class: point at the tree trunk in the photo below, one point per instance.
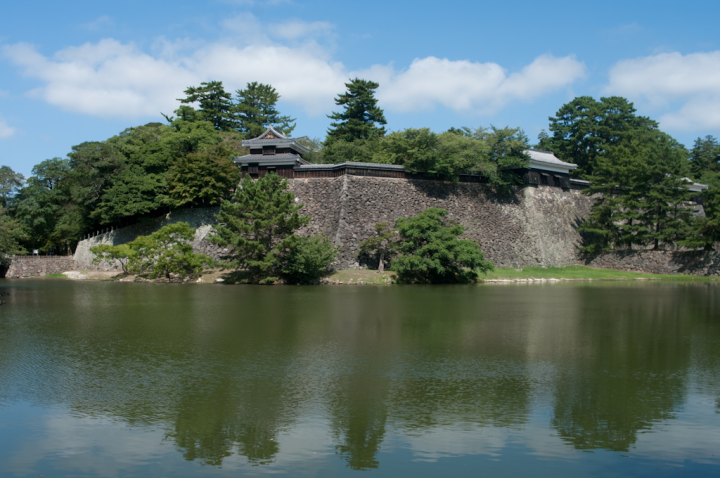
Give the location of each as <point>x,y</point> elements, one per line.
<point>381,265</point>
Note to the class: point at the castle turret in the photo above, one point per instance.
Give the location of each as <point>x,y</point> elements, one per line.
<point>271,151</point>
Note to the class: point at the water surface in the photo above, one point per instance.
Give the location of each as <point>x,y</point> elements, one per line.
<point>601,379</point>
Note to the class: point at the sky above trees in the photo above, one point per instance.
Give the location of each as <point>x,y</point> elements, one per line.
<point>80,70</point>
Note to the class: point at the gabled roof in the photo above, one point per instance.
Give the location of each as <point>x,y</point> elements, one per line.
<point>270,159</point>
<point>548,161</point>
<point>272,131</point>
<point>273,137</point>
<point>695,187</point>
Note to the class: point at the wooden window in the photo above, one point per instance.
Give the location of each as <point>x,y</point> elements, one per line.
<point>253,168</point>
<point>268,150</point>
<point>557,181</point>
<point>544,179</point>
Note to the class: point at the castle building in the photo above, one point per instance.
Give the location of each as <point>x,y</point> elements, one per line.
<point>271,151</point>
<point>274,151</point>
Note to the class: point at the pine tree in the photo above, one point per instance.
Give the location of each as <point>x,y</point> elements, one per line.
<point>584,129</point>
<point>258,227</point>
<point>361,116</point>
<point>255,110</point>
<point>641,195</point>
<point>215,104</point>
<point>705,157</point>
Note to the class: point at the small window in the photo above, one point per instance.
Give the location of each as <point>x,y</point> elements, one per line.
<point>558,184</point>
<point>268,149</point>
<point>253,168</point>
<point>543,179</point>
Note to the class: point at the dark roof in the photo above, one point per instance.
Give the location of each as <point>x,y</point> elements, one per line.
<point>351,164</point>
<point>269,158</point>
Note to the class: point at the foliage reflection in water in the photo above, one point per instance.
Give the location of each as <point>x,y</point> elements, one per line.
<point>326,380</point>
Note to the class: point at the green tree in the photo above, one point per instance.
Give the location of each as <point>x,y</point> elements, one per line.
<point>166,251</point>
<point>309,259</point>
<point>215,104</point>
<point>255,110</point>
<point>641,195</point>
<point>10,233</point>
<point>584,129</point>
<point>705,157</point>
<point>361,118</point>
<point>203,178</point>
<point>430,251</point>
<point>706,230</point>
<point>10,182</point>
<point>41,203</point>
<point>258,227</point>
<point>382,246</point>
<point>121,254</point>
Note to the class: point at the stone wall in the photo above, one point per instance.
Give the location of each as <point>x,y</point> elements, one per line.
<point>38,266</point>
<point>200,218</point>
<point>699,263</point>
<point>531,226</point>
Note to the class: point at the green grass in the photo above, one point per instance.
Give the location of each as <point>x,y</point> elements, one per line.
<point>583,272</point>
<point>55,276</point>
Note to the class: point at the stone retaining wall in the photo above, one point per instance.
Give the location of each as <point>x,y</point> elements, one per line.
<point>698,263</point>
<point>530,226</point>
<point>200,218</point>
<point>38,266</point>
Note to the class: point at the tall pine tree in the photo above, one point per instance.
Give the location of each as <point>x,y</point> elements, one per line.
<point>215,104</point>
<point>361,119</point>
<point>584,129</point>
<point>255,110</point>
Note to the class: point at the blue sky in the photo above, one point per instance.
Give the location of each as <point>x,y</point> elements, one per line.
<point>79,71</point>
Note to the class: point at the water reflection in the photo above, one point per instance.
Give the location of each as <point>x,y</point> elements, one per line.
<point>231,372</point>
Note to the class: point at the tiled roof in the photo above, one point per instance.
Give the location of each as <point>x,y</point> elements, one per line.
<point>547,157</point>
<point>265,158</point>
<point>349,164</point>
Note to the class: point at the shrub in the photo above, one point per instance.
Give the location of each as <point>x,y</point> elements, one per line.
<point>309,259</point>
<point>430,251</point>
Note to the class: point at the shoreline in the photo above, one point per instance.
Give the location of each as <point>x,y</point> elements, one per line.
<point>527,275</point>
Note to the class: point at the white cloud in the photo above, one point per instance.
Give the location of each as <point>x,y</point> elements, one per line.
<point>99,23</point>
<point>6,131</point>
<point>667,78</point>
<point>470,86</point>
<point>114,79</point>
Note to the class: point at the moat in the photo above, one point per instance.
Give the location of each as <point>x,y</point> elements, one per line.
<point>580,379</point>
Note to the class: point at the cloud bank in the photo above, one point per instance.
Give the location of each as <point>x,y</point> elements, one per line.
<point>663,80</point>
<point>114,79</point>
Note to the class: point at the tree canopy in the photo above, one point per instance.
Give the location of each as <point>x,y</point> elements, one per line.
<point>257,227</point>
<point>361,118</point>
<point>584,129</point>
<point>256,109</point>
<point>431,252</point>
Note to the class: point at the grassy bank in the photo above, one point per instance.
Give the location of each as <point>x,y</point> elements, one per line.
<point>372,277</point>
<point>582,273</point>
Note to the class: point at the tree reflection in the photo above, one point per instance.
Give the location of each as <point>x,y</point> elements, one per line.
<point>630,374</point>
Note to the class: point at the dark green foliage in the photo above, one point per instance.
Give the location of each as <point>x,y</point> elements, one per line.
<point>382,246</point>
<point>255,110</point>
<point>642,195</point>
<point>41,204</point>
<point>215,105</point>
<point>706,231</point>
<point>585,129</point>
<point>361,119</point>
<point>10,234</point>
<point>430,251</point>
<point>10,182</point>
<point>258,227</point>
<point>705,157</point>
<point>309,260</point>
<point>202,178</point>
